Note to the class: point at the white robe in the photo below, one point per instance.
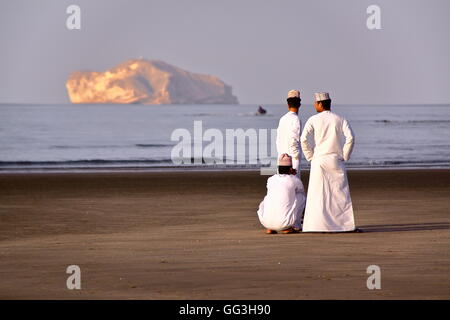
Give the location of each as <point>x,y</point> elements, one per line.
<point>283,205</point>
<point>328,205</point>
<point>288,138</point>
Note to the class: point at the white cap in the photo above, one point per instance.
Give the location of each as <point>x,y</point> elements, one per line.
<point>293,94</point>
<point>320,96</point>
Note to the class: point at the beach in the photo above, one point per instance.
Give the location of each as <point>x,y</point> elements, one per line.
<point>196,235</point>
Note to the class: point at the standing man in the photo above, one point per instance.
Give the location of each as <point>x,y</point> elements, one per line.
<point>288,131</point>
<point>328,205</point>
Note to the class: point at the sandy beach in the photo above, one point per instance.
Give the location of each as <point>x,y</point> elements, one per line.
<point>195,235</point>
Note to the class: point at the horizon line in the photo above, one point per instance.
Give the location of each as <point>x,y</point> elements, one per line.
<point>219,104</point>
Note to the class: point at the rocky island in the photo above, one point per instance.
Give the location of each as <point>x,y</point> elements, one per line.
<point>147,82</point>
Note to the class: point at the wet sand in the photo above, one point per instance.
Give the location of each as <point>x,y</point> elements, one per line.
<point>195,235</point>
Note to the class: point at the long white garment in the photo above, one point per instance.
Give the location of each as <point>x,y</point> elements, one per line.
<point>288,138</point>
<point>283,205</point>
<point>328,205</point>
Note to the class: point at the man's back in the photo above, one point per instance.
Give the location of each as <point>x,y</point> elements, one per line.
<point>281,189</point>
<point>284,202</point>
<point>332,135</point>
<point>329,205</point>
<point>288,136</point>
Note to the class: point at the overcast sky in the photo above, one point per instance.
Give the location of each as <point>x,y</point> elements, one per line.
<point>261,48</point>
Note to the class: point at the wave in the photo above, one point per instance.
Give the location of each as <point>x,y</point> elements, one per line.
<point>204,163</point>
<point>139,145</point>
<point>86,147</point>
<point>254,114</point>
<point>394,163</point>
<point>153,145</point>
<point>82,162</point>
<point>241,114</point>
<point>105,162</point>
<point>200,114</point>
<point>411,121</point>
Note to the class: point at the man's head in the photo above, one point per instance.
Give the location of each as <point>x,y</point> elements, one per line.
<point>323,101</point>
<point>293,100</point>
<point>285,164</point>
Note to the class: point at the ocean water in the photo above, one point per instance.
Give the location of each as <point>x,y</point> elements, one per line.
<point>113,137</point>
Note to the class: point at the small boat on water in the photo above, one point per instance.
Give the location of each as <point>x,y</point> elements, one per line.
<point>261,111</point>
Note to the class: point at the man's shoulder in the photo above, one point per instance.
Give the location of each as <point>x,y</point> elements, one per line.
<point>293,180</point>
<point>292,117</point>
<point>289,119</point>
<point>338,117</point>
<point>283,177</point>
<point>283,118</point>
<point>289,115</point>
<point>313,118</point>
<point>326,115</point>
<point>294,177</point>
<point>334,114</point>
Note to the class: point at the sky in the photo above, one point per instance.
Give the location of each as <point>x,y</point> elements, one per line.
<point>261,48</point>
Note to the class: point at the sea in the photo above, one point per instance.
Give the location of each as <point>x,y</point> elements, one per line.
<point>75,137</point>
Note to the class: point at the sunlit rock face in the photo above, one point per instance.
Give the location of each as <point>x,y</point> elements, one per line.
<point>147,82</point>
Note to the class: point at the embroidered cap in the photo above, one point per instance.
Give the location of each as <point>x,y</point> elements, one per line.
<point>320,96</point>
<point>285,160</point>
<point>293,94</point>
